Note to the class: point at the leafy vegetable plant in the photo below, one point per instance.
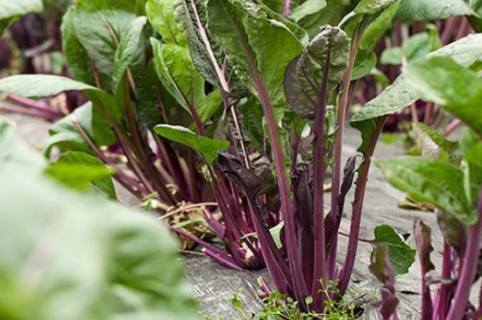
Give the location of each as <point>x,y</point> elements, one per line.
<point>452,184</point>
<point>292,80</point>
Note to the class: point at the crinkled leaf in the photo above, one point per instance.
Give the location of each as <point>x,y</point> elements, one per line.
<point>401,255</point>
<point>191,17</point>
<point>421,10</point>
<point>254,39</point>
<point>12,10</point>
<point>206,147</point>
<point>433,181</point>
<point>161,17</point>
<point>81,170</point>
<point>400,94</point>
<point>447,83</point>
<point>423,240</point>
<point>304,76</point>
<point>179,76</point>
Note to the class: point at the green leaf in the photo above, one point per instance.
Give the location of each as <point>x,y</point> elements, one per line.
<point>447,83</point>
<point>15,151</point>
<point>161,17</point>
<point>308,69</point>
<point>401,255</point>
<point>100,25</point>
<point>306,9</point>
<point>400,94</point>
<point>370,20</point>
<point>206,147</point>
<point>421,10</point>
<point>365,62</point>
<point>79,170</point>
<point>392,56</point>
<point>471,149</point>
<point>417,47</point>
<point>32,86</point>
<point>74,53</point>
<point>131,51</point>
<point>255,40</point>
<point>205,56</point>
<point>65,134</point>
<point>80,255</point>
<point>433,181</point>
<point>438,138</point>
<point>179,76</point>
<point>12,10</point>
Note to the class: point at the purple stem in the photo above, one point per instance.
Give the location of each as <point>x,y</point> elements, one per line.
<point>35,105</point>
<point>320,268</point>
<point>358,208</point>
<point>469,268</point>
<point>287,10</point>
<point>30,112</point>
<point>446,268</point>
<point>290,231</point>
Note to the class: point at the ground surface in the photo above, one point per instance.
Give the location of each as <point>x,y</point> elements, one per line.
<point>214,285</point>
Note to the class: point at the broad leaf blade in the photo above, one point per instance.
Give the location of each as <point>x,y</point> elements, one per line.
<point>206,147</point>
<point>179,76</point>
<point>401,255</point>
<point>421,10</point>
<point>80,170</point>
<point>433,181</point>
<point>400,94</point>
<point>162,18</point>
<point>304,76</point>
<point>131,51</point>
<point>455,88</point>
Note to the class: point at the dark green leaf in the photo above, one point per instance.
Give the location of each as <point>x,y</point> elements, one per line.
<point>131,51</point>
<point>433,181</point>
<point>206,147</point>
<point>75,55</point>
<point>401,255</point>
<point>100,26</point>
<point>251,35</point>
<point>308,69</point>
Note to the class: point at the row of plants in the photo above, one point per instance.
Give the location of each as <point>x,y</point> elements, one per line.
<point>236,110</point>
